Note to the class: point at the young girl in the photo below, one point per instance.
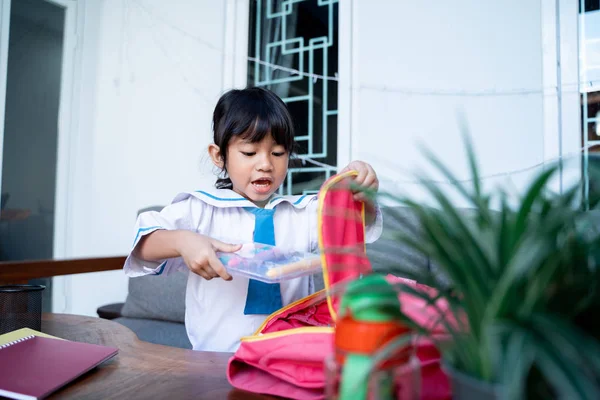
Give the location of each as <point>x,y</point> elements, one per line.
<point>253,141</point>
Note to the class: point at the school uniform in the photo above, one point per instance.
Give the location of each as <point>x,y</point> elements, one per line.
<point>214,315</point>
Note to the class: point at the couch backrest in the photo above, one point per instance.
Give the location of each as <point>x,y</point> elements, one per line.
<point>387,251</point>
<point>156,297</point>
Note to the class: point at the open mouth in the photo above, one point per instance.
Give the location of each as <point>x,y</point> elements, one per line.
<point>262,185</point>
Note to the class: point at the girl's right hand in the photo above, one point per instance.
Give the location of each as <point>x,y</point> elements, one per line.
<point>199,254</point>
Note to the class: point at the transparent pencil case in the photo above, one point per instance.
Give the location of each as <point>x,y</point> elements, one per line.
<point>269,264</point>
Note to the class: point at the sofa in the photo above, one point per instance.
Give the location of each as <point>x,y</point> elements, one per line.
<point>155,305</point>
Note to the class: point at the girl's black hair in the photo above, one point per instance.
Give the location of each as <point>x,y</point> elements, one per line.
<point>251,113</point>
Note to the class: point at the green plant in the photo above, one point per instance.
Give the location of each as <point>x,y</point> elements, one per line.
<point>523,283</point>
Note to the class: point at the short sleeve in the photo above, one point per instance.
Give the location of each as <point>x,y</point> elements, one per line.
<point>180,215</point>
<point>375,229</point>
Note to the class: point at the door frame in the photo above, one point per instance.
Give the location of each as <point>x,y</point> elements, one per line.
<point>4,41</point>
<point>68,125</point>
<point>68,120</point>
<point>67,128</point>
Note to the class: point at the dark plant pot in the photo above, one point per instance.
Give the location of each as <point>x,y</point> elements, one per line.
<point>465,387</point>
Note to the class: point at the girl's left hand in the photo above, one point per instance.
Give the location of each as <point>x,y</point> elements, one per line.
<point>366,178</point>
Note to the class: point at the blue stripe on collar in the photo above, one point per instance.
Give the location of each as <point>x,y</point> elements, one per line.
<point>216,198</point>
<point>299,200</point>
<point>221,198</point>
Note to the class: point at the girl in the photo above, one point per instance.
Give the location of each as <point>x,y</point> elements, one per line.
<point>253,141</point>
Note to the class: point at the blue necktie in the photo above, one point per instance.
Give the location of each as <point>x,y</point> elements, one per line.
<point>263,298</point>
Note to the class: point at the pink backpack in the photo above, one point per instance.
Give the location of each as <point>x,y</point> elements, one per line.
<point>285,356</point>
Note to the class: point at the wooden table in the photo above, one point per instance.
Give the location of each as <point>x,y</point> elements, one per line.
<point>141,370</point>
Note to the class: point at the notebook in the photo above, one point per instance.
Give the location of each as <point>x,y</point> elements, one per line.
<point>21,333</point>
<point>35,366</point>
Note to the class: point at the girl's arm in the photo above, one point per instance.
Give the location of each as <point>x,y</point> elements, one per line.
<point>160,244</point>
<point>197,251</point>
<point>167,241</point>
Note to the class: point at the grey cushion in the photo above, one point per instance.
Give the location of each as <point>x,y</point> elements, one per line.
<point>159,332</point>
<point>318,282</point>
<point>387,255</point>
<point>157,297</point>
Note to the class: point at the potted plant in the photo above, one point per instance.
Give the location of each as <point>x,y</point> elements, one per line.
<point>521,284</point>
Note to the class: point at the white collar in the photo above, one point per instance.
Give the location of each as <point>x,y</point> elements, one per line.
<point>224,198</point>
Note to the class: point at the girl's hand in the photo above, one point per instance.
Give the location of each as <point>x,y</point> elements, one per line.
<point>199,254</point>
<point>366,178</point>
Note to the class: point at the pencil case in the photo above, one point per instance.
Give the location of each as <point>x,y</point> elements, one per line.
<point>269,264</point>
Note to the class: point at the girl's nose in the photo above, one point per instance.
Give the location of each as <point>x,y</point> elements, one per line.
<point>264,163</point>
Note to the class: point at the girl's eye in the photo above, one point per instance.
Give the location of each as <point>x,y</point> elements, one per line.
<point>248,154</point>
<point>278,154</point>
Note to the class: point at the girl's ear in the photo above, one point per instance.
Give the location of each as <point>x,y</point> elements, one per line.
<point>215,155</point>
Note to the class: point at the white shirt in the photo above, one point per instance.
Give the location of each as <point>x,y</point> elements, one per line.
<point>214,315</point>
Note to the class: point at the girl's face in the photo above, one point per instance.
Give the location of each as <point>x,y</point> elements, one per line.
<point>256,169</point>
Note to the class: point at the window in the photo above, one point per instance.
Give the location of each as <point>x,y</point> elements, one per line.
<point>293,51</point>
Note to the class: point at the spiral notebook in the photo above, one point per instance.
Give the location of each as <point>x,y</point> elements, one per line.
<point>21,333</point>
<point>33,367</point>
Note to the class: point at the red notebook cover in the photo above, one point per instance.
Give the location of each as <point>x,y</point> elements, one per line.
<point>34,367</point>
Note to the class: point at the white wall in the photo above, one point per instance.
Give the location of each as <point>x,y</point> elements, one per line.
<point>591,27</point>
<point>152,73</point>
<point>410,60</point>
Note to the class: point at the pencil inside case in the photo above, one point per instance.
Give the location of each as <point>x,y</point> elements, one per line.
<point>269,264</point>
